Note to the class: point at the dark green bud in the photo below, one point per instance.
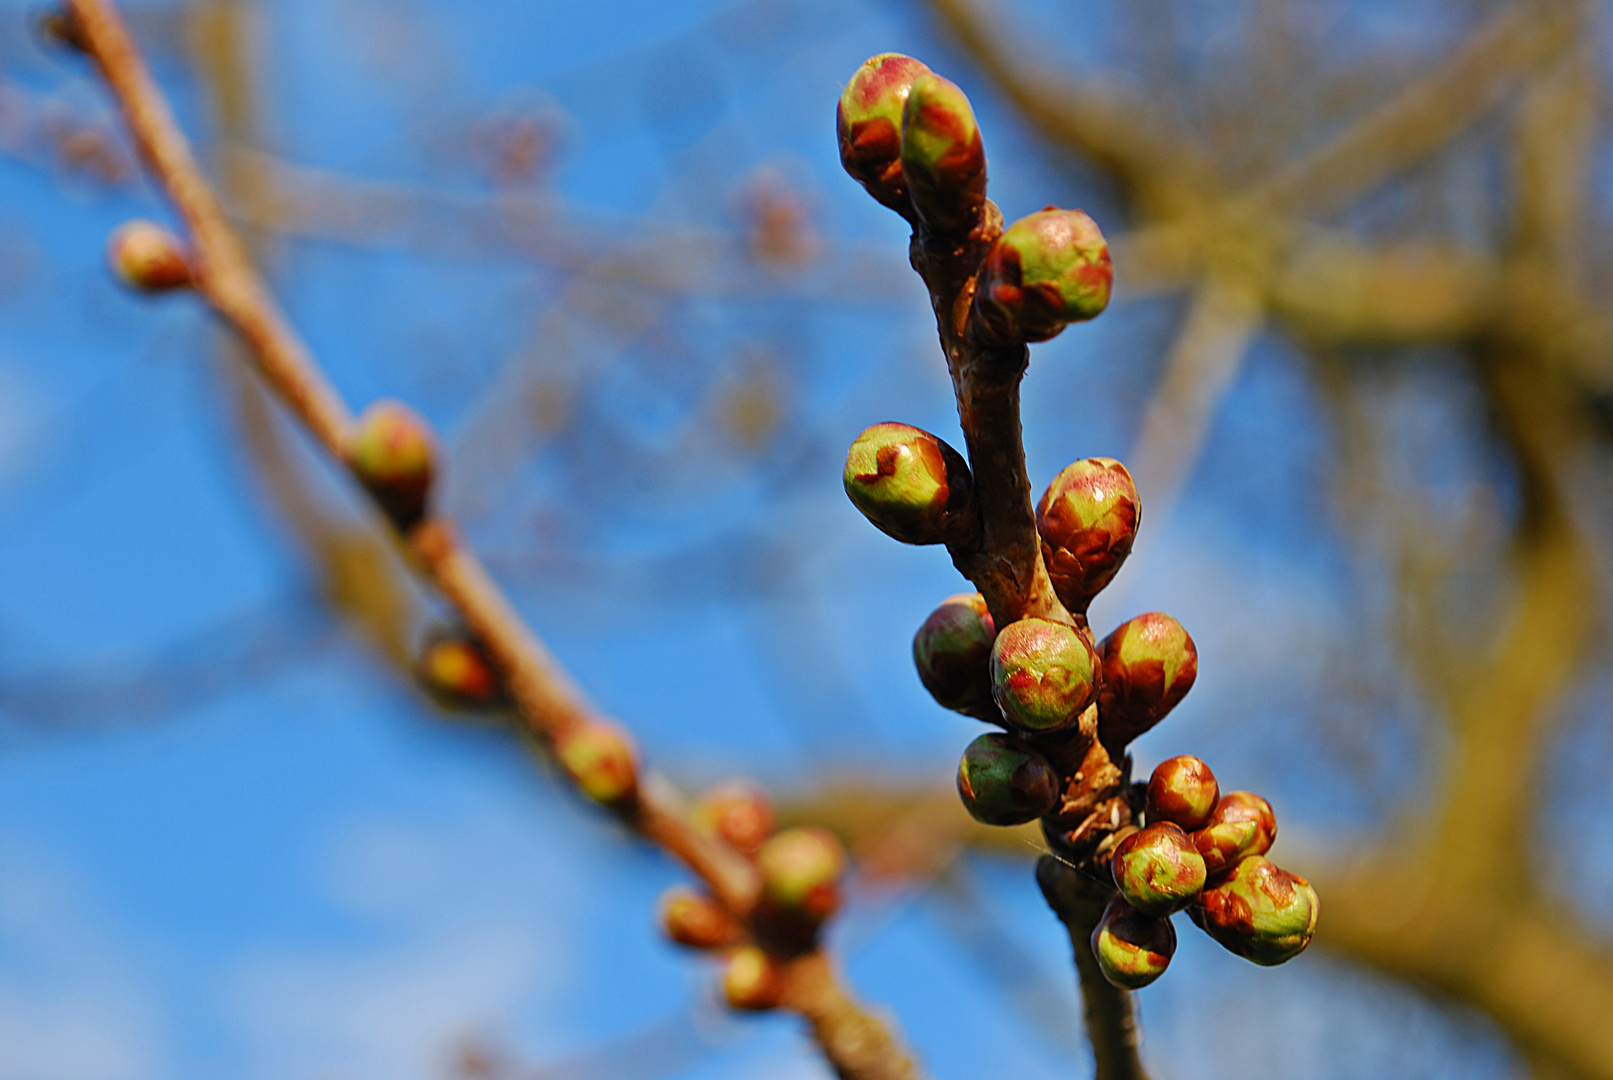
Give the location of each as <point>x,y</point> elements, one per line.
<point>1149,665</point>
<point>1088,520</point>
<point>943,159</point>
<point>1243,824</point>
<point>1002,781</point>
<point>1043,674</point>
<point>952,652</point>
<point>1158,870</point>
<point>1132,948</point>
<point>910,484</point>
<point>1044,272</point>
<point>1183,791</point>
<point>868,123</point>
<point>1260,911</point>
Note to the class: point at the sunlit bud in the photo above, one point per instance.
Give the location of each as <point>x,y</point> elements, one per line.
<point>455,668</point>
<point>1158,870</point>
<point>1261,912</point>
<point>697,921</point>
<point>60,28</point>
<point>910,484</point>
<point>869,125</point>
<point>1132,948</point>
<point>1002,781</point>
<point>1182,791</point>
<point>952,652</point>
<point>1043,674</point>
<point>148,257</point>
<point>600,760</point>
<point>393,454</point>
<point>943,159</point>
<point>1044,272</point>
<point>1149,664</point>
<point>751,980</point>
<point>739,812</point>
<point>801,871</point>
<point>1088,519</point>
<point>1242,824</point>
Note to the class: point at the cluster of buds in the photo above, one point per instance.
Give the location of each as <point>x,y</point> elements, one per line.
<point>800,871</point>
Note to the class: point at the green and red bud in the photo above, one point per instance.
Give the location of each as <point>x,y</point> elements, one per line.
<point>392,453</point>
<point>1088,520</point>
<point>599,759</point>
<point>910,485</point>
<point>740,813</point>
<point>1044,272</point>
<point>751,980</point>
<point>692,919</point>
<point>868,123</point>
<point>952,652</point>
<point>943,159</point>
<point>457,670</point>
<point>1044,674</point>
<point>801,871</point>
<point>1243,824</point>
<point>1183,791</point>
<point>148,257</point>
<point>1133,949</point>
<point>1149,665</point>
<point>1158,870</point>
<point>1003,781</point>
<point>1260,911</point>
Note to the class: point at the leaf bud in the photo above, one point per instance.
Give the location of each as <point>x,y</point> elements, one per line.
<point>868,123</point>
<point>751,980</point>
<point>1043,674</point>
<point>1149,665</point>
<point>392,453</point>
<point>60,28</point>
<point>148,257</point>
<point>457,671</point>
<point>1260,911</point>
<point>1044,272</point>
<point>692,919</point>
<point>1183,791</point>
<point>1243,824</point>
<point>1002,781</point>
<point>739,812</point>
<point>910,485</point>
<point>1088,520</point>
<point>1158,870</point>
<point>1133,949</point>
<point>599,759</point>
<point>801,871</point>
<point>943,159</point>
<point>952,652</point>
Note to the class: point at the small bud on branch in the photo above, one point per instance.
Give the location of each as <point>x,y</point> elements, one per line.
<point>1043,674</point>
<point>1132,948</point>
<point>148,257</point>
<point>1087,520</point>
<point>868,123</point>
<point>910,485</point>
<point>1260,911</point>
<point>1003,781</point>
<point>392,453</point>
<point>952,652</point>
<point>1149,665</point>
<point>1044,272</point>
<point>1158,870</point>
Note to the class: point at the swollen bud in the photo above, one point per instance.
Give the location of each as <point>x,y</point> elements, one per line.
<point>1002,781</point>
<point>456,669</point>
<point>1044,272</point>
<point>1158,870</point>
<point>148,257</point>
<point>1149,664</point>
<point>392,453</point>
<point>943,159</point>
<point>1087,519</point>
<point>1243,824</point>
<point>1182,791</point>
<point>738,812</point>
<point>751,980</point>
<point>697,921</point>
<point>868,123</point>
<point>1043,674</point>
<point>952,652</point>
<point>599,759</point>
<point>801,871</point>
<point>910,484</point>
<point>1261,912</point>
<point>1133,949</point>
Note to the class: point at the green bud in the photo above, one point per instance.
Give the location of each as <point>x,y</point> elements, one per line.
<point>1183,791</point>
<point>952,652</point>
<point>1043,674</point>
<point>1088,519</point>
<point>393,454</point>
<point>1044,272</point>
<point>697,921</point>
<point>1132,948</point>
<point>599,759</point>
<point>1002,781</point>
<point>1260,911</point>
<point>1242,825</point>
<point>457,671</point>
<point>943,159</point>
<point>801,871</point>
<point>739,812</point>
<point>751,980</point>
<point>1149,665</point>
<point>868,123</point>
<point>910,484</point>
<point>148,257</point>
<point>1158,870</point>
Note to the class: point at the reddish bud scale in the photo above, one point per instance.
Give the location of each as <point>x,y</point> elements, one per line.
<point>868,124</point>
<point>943,158</point>
<point>910,485</point>
<point>1044,272</point>
<point>1158,870</point>
<point>148,257</point>
<point>392,453</point>
<point>457,670</point>
<point>1260,911</point>
<point>1149,665</point>
<point>1243,824</point>
<point>599,759</point>
<point>1183,791</point>
<point>1003,781</point>
<point>697,921</point>
<point>740,813</point>
<point>1133,949</point>
<point>801,871</point>
<point>1043,674</point>
<point>1088,521</point>
<point>952,652</point>
<point>751,980</point>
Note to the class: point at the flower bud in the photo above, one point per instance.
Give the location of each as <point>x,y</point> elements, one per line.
<point>456,669</point>
<point>738,812</point>
<point>1002,781</point>
<point>1149,665</point>
<point>1133,949</point>
<point>1182,791</point>
<point>801,871</point>
<point>1158,870</point>
<point>1242,825</point>
<point>1044,272</point>
<point>1260,911</point>
<point>1088,519</point>
<point>943,159</point>
<point>59,27</point>
<point>392,453</point>
<point>599,759</point>
<point>910,484</point>
<point>751,980</point>
<point>1043,674</point>
<point>697,921</point>
<point>952,652</point>
<point>869,126</point>
<point>148,257</point>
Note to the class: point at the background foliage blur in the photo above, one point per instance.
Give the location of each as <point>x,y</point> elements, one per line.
<point>1359,360</point>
